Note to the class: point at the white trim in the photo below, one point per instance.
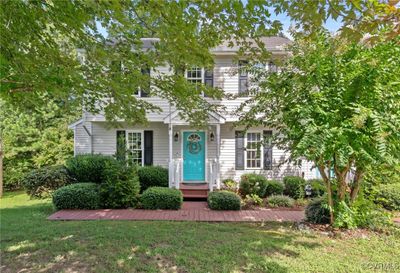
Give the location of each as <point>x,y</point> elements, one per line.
<point>141,141</point>
<point>170,118</point>
<point>76,123</point>
<point>261,150</point>
<point>205,155</point>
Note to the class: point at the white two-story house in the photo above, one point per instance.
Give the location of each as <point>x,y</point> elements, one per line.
<point>196,157</point>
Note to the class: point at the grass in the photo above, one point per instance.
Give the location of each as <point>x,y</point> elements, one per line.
<point>30,243</point>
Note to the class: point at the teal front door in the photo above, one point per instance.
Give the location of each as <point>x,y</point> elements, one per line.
<point>194,155</point>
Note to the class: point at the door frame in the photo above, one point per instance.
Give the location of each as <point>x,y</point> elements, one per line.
<point>205,155</point>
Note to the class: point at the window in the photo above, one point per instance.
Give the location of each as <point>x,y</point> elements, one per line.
<point>144,89</point>
<point>272,68</point>
<point>243,77</point>
<point>135,147</point>
<point>253,150</point>
<point>194,75</point>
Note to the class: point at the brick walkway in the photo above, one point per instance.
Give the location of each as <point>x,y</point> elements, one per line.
<point>191,211</point>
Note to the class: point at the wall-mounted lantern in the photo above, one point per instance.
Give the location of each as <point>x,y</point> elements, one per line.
<point>176,136</point>
<point>212,137</point>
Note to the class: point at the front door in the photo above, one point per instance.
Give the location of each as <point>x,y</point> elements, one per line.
<point>194,155</point>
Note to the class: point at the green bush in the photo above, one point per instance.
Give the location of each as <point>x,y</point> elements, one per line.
<point>294,186</point>
<point>251,201</point>
<point>152,176</point>
<point>388,196</point>
<point>223,200</point>
<point>121,192</point>
<point>95,168</point>
<point>42,182</point>
<point>252,184</point>
<point>77,196</point>
<point>317,186</point>
<point>161,198</point>
<point>229,183</point>
<point>317,211</point>
<point>276,201</point>
<point>274,187</point>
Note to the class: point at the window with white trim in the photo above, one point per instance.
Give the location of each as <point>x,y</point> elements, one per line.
<point>194,75</point>
<point>253,150</point>
<point>134,142</point>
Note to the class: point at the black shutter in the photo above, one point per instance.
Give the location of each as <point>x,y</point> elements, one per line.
<point>209,78</point>
<point>239,150</point>
<point>121,145</point>
<point>145,88</point>
<point>243,77</point>
<point>267,150</point>
<point>148,147</point>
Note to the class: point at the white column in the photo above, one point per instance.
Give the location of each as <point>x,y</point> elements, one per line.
<point>170,161</point>
<point>218,133</point>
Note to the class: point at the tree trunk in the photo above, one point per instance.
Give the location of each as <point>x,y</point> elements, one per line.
<point>328,185</point>
<point>358,177</point>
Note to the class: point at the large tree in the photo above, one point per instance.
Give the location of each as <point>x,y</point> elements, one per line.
<point>336,104</point>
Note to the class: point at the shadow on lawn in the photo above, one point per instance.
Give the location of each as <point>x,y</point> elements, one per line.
<point>31,243</point>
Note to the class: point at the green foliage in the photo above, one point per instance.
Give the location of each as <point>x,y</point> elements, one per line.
<point>161,198</point>
<point>42,182</point>
<point>251,200</point>
<point>34,138</point>
<point>388,196</point>
<point>317,187</point>
<point>93,167</point>
<point>274,187</point>
<point>77,196</point>
<point>223,200</point>
<point>253,184</point>
<point>121,191</point>
<point>280,201</point>
<point>152,176</point>
<point>294,186</point>
<point>317,211</point>
<point>230,184</point>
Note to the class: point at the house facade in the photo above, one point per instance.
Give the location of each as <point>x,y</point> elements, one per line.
<point>194,157</point>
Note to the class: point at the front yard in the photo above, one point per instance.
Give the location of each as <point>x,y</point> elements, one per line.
<point>30,243</point>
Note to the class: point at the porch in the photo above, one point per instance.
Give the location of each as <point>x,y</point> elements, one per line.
<point>194,155</point>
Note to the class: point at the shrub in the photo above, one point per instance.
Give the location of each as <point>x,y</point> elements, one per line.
<point>274,187</point>
<point>230,184</point>
<point>317,187</point>
<point>294,186</point>
<point>317,211</point>
<point>41,182</point>
<point>251,201</point>
<point>280,201</point>
<point>161,198</point>
<point>253,184</point>
<point>94,168</point>
<point>223,200</point>
<point>121,192</point>
<point>77,196</point>
<point>388,196</point>
<point>152,176</point>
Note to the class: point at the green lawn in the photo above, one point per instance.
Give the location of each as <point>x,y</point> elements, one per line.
<point>30,243</point>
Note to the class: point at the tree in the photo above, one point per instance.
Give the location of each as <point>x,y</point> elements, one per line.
<point>34,138</point>
<point>40,39</point>
<point>335,104</point>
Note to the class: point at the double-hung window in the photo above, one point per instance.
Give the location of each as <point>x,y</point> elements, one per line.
<point>134,142</point>
<point>198,75</point>
<point>253,150</point>
<point>144,88</point>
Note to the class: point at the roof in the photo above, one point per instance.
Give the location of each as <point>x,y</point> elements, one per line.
<point>274,43</point>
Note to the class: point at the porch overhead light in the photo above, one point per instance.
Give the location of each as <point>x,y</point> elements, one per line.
<point>176,136</point>
<point>212,136</point>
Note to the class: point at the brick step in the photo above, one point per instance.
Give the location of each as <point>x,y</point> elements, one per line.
<point>194,193</point>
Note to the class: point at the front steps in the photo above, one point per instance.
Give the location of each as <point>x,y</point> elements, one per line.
<point>194,191</point>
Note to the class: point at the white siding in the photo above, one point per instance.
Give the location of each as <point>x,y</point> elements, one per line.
<point>82,139</point>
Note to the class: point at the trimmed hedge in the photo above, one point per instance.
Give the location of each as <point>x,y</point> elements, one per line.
<point>294,186</point>
<point>252,184</point>
<point>223,200</point>
<point>317,211</point>
<point>274,187</point>
<point>77,196</point>
<point>317,187</point>
<point>152,176</point>
<point>122,192</point>
<point>280,201</point>
<point>388,196</point>
<point>95,168</point>
<point>42,182</point>
<point>161,198</point>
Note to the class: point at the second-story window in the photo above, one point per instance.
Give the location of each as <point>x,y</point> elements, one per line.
<point>194,75</point>
<point>144,86</point>
<point>243,77</point>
